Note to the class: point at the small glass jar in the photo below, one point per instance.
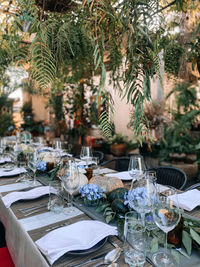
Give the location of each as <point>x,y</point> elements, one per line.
<point>91,203</point>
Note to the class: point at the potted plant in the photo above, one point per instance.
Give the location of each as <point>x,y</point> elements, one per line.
<point>118,144</point>
<point>178,147</point>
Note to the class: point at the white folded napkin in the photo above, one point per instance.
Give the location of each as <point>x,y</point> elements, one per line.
<point>16,171</point>
<point>121,175</point>
<point>4,160</point>
<point>46,148</point>
<point>31,194</point>
<point>78,236</point>
<point>188,200</point>
<point>84,163</point>
<point>16,186</point>
<point>65,154</point>
<point>103,171</point>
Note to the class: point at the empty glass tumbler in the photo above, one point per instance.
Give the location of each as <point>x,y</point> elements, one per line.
<point>134,240</point>
<point>56,198</point>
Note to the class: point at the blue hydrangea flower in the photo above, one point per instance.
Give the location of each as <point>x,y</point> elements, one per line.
<point>91,191</point>
<point>139,195</point>
<point>41,166</point>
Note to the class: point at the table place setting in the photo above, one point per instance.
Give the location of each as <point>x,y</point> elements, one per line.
<point>22,195</point>
<point>76,237</point>
<point>188,200</point>
<point>16,186</point>
<point>12,172</point>
<point>48,218</point>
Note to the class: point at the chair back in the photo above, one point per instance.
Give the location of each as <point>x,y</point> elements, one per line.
<point>118,164</point>
<point>167,175</point>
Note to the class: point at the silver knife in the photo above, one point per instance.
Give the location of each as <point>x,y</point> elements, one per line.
<point>32,212</point>
<point>100,257</point>
<point>25,210</point>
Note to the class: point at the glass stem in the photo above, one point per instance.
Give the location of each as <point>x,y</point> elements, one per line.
<point>143,219</point>
<point>34,178</point>
<point>69,200</point>
<point>166,243</point>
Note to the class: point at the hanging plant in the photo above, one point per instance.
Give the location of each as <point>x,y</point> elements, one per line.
<point>172,57</point>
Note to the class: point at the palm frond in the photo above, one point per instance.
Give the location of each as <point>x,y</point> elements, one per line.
<point>43,66</point>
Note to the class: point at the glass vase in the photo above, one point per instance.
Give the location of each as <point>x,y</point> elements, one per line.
<point>91,203</point>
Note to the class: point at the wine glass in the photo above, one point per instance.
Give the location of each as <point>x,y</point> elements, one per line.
<point>70,181</point>
<point>32,165</point>
<point>166,216</point>
<point>95,165</point>
<point>142,197</point>
<point>86,154</point>
<point>136,167</point>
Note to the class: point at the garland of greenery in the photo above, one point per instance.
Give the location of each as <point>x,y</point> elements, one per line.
<point>77,43</point>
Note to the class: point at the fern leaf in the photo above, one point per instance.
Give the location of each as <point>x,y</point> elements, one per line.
<point>42,62</point>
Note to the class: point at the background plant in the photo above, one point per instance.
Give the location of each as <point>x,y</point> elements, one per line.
<point>177,135</point>
<point>125,33</point>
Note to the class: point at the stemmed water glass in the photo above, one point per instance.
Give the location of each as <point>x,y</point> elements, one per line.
<point>142,197</point>
<point>136,167</point>
<point>70,181</point>
<point>86,154</point>
<point>32,164</point>
<point>166,216</point>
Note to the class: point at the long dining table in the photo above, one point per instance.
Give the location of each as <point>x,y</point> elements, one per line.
<point>22,231</point>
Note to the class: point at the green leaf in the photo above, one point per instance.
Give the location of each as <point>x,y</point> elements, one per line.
<point>184,253</point>
<point>109,218</point>
<point>176,255</point>
<point>195,236</point>
<point>187,242</point>
<point>102,207</point>
<point>154,245</point>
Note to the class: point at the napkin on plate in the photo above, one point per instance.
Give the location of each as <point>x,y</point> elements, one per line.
<point>16,171</point>
<point>84,163</point>
<point>103,171</point>
<point>4,160</point>
<point>31,194</point>
<point>78,236</point>
<point>188,200</point>
<point>121,175</point>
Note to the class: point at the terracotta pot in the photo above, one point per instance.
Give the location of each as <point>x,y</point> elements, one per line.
<point>118,149</point>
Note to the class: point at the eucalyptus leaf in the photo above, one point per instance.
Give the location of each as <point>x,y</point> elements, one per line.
<point>187,242</point>
<point>183,253</point>
<point>109,218</point>
<point>195,236</point>
<point>176,255</point>
<point>102,207</point>
<point>154,245</point>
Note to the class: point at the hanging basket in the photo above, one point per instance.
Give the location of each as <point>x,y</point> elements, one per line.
<point>60,6</point>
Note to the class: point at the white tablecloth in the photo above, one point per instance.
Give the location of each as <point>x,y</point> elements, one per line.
<point>22,249</point>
